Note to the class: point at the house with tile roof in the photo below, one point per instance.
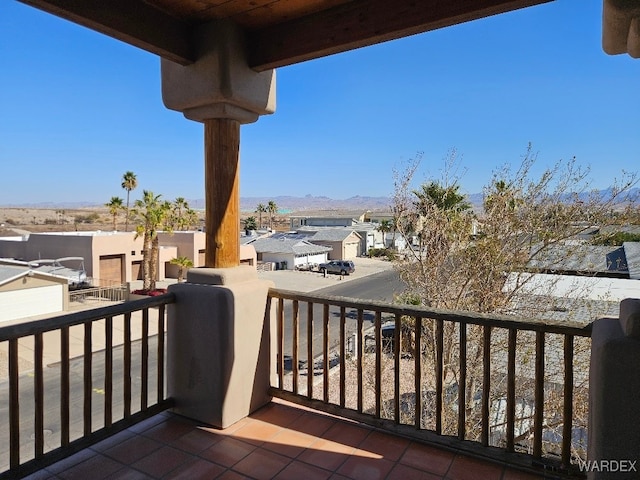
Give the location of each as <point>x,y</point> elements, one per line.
<point>288,253</point>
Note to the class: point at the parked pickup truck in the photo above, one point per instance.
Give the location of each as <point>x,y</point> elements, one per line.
<point>343,267</point>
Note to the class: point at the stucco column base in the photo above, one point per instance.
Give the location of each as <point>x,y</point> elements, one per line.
<point>614,395</point>
<point>218,345</point>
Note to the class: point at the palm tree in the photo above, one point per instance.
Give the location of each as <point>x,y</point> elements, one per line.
<point>152,214</point>
<point>260,209</point>
<point>384,227</point>
<point>180,207</point>
<point>190,218</point>
<point>444,198</point>
<point>129,182</point>
<point>250,224</point>
<point>182,263</point>
<point>114,206</point>
<point>272,208</point>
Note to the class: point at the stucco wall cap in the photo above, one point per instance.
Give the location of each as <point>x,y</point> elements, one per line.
<point>222,276</point>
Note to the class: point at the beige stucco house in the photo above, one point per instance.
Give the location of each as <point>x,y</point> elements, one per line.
<point>111,257</point>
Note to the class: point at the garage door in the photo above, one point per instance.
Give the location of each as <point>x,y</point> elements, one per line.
<point>31,301</point>
<point>111,269</point>
<point>200,258</point>
<point>136,270</point>
<point>351,250</point>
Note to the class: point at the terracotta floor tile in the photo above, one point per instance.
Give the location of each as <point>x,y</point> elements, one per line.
<point>428,459</point>
<point>289,443</point>
<point>40,475</point>
<point>388,446</point>
<point>347,434</point>
<point>168,431</point>
<point>150,422</point>
<point>365,468</point>
<point>231,429</point>
<point>161,461</point>
<point>262,464</point>
<point>312,424</point>
<point>133,449</point>
<point>228,451</point>
<point>404,472</point>
<point>510,474</point>
<point>231,475</point>
<point>196,441</point>
<point>326,454</point>
<point>298,470</point>
<point>128,473</point>
<point>466,468</point>
<point>97,467</point>
<point>277,414</point>
<point>112,441</point>
<point>67,463</point>
<point>195,469</point>
<point>257,432</point>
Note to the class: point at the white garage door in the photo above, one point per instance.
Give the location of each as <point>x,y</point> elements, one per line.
<point>351,250</point>
<point>31,301</point>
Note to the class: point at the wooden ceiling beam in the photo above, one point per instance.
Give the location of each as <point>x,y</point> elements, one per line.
<point>132,21</point>
<point>363,22</point>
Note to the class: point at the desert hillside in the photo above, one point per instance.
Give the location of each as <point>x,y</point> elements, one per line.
<point>17,220</point>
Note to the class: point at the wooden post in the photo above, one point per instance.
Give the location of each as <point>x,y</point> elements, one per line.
<point>222,192</point>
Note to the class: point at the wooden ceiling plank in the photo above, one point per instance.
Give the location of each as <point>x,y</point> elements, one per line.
<point>363,22</point>
<point>132,21</point>
<point>282,11</point>
<point>236,7</point>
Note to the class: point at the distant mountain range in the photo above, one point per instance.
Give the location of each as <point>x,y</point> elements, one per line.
<point>288,203</point>
<point>309,202</point>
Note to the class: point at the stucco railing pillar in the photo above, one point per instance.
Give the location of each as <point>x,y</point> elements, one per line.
<point>614,396</point>
<point>219,344</point>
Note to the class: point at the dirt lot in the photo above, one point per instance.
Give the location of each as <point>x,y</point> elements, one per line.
<point>20,220</point>
<point>54,220</point>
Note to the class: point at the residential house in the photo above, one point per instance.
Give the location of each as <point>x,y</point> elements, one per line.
<point>345,243</point>
<point>289,252</point>
<point>26,292</point>
<point>112,257</point>
<point>326,218</point>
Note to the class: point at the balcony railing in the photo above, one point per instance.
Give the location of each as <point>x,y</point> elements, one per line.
<point>100,378</point>
<point>512,390</point>
<point>113,293</point>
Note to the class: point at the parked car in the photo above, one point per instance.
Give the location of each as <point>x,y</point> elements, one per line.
<point>343,267</point>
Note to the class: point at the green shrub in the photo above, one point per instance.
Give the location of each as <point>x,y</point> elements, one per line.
<point>90,218</point>
<point>388,253</point>
<point>616,239</point>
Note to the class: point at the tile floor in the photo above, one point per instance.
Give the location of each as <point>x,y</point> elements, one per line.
<point>280,441</point>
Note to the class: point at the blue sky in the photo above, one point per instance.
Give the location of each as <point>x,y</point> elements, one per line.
<point>78,109</point>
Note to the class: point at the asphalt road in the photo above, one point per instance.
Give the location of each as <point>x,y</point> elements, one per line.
<point>381,287</point>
